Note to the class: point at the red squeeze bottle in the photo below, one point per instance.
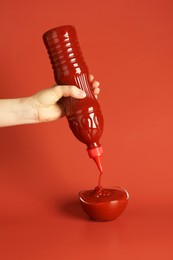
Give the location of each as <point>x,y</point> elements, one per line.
<point>84,115</point>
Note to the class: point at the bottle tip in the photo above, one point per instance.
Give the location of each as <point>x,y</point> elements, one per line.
<point>98,163</point>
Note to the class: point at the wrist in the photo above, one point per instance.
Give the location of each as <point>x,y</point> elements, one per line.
<point>17,111</point>
<point>27,112</point>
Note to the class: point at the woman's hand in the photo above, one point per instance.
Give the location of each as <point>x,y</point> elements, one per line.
<point>40,107</point>
<point>46,105</point>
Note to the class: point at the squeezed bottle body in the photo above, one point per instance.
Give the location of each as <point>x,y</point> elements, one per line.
<point>84,115</point>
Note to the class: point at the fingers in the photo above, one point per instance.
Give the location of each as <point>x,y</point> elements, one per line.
<point>96,92</point>
<point>91,77</point>
<point>95,85</point>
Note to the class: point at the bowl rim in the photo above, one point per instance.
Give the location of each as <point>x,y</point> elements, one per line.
<point>103,202</point>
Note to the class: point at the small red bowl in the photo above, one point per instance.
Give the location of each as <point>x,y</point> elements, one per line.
<point>105,205</point>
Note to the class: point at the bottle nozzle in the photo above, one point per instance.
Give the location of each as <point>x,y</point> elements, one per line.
<point>95,154</point>
<point>98,163</point>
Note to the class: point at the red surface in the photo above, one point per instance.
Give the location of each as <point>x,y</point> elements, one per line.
<point>128,47</point>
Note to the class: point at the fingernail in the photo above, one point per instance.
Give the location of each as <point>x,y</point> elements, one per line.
<point>82,93</point>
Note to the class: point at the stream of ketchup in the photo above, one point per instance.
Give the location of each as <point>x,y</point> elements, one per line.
<point>100,194</point>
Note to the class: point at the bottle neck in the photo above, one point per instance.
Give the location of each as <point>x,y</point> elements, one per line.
<point>95,152</point>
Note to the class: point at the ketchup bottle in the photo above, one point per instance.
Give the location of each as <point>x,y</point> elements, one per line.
<point>84,115</point>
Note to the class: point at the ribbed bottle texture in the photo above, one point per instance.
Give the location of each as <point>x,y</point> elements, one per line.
<point>84,115</point>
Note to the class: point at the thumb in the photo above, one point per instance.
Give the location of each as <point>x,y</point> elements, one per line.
<point>51,95</point>
<point>68,91</point>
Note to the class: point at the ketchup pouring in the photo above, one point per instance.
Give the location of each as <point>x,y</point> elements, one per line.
<point>84,117</point>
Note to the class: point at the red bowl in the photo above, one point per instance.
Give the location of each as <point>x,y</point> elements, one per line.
<point>104,204</point>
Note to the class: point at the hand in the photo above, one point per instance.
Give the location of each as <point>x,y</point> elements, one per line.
<point>45,103</point>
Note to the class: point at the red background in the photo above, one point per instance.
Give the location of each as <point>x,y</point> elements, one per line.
<point>128,46</point>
